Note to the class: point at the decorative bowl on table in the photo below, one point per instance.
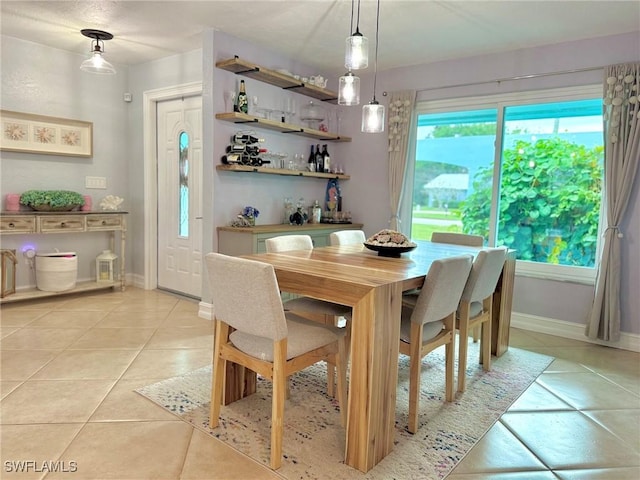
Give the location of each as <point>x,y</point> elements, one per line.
<point>389,243</point>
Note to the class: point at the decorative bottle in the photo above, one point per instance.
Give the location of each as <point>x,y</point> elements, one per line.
<point>311,163</point>
<point>242,104</point>
<point>326,159</point>
<point>319,159</point>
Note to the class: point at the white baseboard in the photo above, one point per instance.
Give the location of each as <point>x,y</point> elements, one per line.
<point>205,310</point>
<point>575,331</point>
<point>135,280</point>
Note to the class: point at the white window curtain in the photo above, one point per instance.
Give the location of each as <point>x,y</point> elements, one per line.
<point>621,159</point>
<point>401,105</point>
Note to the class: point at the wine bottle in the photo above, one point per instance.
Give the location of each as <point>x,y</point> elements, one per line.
<point>243,138</point>
<point>242,103</point>
<point>319,159</point>
<point>326,159</point>
<point>311,163</point>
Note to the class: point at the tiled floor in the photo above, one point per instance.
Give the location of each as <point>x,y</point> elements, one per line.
<point>69,367</point>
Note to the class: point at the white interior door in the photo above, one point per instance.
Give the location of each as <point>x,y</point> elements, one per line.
<point>179,130</point>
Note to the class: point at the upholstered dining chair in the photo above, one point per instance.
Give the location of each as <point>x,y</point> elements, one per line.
<point>457,239</point>
<point>431,324</point>
<point>475,310</point>
<point>460,239</point>
<point>253,330</point>
<point>328,313</point>
<point>347,237</point>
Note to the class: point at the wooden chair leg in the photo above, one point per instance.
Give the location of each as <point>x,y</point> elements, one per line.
<point>277,406</point>
<point>414,376</point>
<point>485,342</point>
<point>449,358</point>
<point>341,364</point>
<point>219,366</point>
<point>463,340</point>
<point>475,332</point>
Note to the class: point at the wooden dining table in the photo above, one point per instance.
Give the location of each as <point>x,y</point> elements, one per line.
<point>372,286</point>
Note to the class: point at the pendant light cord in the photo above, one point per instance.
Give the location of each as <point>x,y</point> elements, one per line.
<point>351,26</point>
<point>358,21</point>
<point>375,63</point>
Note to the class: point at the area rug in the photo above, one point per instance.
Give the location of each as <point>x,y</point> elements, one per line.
<point>314,442</point>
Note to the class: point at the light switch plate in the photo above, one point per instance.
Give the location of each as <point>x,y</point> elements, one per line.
<point>95,182</point>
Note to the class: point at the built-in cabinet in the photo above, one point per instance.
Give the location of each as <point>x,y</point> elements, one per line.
<point>247,240</point>
<point>45,223</point>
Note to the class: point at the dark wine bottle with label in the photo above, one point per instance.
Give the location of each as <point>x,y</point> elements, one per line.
<point>319,159</point>
<point>311,163</point>
<point>326,159</point>
<point>241,138</point>
<point>242,103</point>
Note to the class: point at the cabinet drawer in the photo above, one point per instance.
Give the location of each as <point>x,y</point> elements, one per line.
<point>18,224</point>
<point>104,222</point>
<point>61,223</point>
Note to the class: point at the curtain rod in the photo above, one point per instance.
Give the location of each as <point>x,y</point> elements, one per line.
<point>509,79</point>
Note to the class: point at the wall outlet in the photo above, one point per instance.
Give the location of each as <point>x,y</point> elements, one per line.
<point>95,182</point>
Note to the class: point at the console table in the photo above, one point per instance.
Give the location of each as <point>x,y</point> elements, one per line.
<point>45,223</point>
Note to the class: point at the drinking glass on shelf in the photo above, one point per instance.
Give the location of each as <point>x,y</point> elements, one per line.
<point>229,100</point>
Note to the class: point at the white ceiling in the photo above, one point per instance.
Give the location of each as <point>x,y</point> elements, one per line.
<point>411,31</point>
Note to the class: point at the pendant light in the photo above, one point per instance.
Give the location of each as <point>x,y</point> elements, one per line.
<point>373,113</point>
<point>349,84</point>
<point>357,52</point>
<point>96,63</point>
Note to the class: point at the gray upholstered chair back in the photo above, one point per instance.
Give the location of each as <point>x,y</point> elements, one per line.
<point>457,239</point>
<point>484,275</point>
<point>246,296</point>
<point>285,243</point>
<point>440,294</point>
<point>347,237</point>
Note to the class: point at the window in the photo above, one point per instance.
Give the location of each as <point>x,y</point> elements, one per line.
<point>523,171</point>
<point>183,201</point>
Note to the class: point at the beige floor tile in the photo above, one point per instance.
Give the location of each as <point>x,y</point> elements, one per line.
<point>21,364</point>
<point>187,306</point>
<point>68,319</point>
<point>569,440</point>
<point>498,451</point>
<point>110,338</point>
<point>123,403</point>
<point>155,303</point>
<point>167,363</point>
<point>587,391</point>
<point>186,319</point>
<point>132,320</point>
<point>627,381</point>
<point>41,338</point>
<point>60,401</point>
<point>182,337</point>
<point>129,450</point>
<point>104,302</point>
<point>87,365</point>
<point>14,316</point>
<point>624,424</point>
<point>37,443</point>
<point>630,473</point>
<point>504,476</point>
<point>6,331</point>
<point>536,397</point>
<point>212,459</point>
<point>560,365</point>
<point>6,387</point>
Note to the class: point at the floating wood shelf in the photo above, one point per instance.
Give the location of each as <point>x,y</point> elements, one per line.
<point>266,75</point>
<point>243,118</point>
<point>280,171</point>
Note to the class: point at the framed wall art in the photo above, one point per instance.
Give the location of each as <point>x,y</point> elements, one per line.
<point>29,133</point>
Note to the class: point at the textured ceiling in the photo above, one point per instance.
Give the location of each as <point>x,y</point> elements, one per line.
<point>411,31</point>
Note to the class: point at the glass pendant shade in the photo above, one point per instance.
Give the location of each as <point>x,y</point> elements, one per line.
<point>373,117</point>
<point>97,64</point>
<point>349,90</point>
<point>357,52</point>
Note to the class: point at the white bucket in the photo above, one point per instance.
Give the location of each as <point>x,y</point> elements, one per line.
<point>56,271</point>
